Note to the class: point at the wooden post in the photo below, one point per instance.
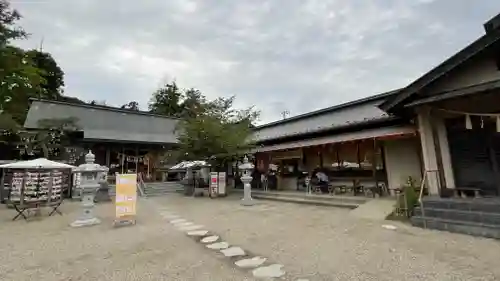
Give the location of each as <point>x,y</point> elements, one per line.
<point>321,160</point>
<point>374,165</point>
<point>49,188</point>
<point>123,159</point>
<point>108,156</point>
<point>2,186</point>
<point>136,160</point>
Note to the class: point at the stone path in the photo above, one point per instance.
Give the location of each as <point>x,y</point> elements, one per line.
<point>258,266</point>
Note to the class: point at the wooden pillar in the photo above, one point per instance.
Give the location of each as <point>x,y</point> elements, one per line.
<point>374,161</point>
<point>108,156</point>
<point>137,159</point>
<point>122,164</point>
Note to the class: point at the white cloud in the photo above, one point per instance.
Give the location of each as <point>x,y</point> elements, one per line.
<point>296,55</point>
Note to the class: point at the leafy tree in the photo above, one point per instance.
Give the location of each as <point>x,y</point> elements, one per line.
<point>219,130</point>
<point>166,101</point>
<point>133,105</point>
<point>97,102</point>
<point>53,76</point>
<point>20,79</point>
<point>8,30</point>
<point>193,104</point>
<point>51,137</point>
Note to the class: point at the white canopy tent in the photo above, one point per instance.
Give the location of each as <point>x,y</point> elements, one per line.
<point>40,163</point>
<point>189,164</point>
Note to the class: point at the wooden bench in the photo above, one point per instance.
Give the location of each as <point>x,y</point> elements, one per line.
<point>24,210</point>
<point>460,191</point>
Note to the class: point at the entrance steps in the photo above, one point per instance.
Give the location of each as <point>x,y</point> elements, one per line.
<point>349,202</point>
<point>476,217</point>
<point>153,189</point>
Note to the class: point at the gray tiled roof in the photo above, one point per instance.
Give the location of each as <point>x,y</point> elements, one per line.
<point>106,123</point>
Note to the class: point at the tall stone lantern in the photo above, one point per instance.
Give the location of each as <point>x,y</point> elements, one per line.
<point>91,177</point>
<point>247,169</point>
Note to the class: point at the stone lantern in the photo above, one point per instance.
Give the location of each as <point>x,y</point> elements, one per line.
<point>91,177</point>
<point>246,178</point>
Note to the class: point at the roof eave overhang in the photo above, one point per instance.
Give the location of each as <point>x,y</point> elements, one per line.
<point>394,104</point>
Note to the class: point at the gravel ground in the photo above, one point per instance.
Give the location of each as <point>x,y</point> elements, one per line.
<point>48,249</point>
<point>321,243</point>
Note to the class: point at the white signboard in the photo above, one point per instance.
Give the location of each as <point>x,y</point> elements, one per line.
<point>222,183</point>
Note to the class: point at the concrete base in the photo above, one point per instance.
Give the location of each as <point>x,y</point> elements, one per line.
<point>248,202</point>
<point>88,222</point>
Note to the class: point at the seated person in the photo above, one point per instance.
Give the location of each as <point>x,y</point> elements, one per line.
<point>321,180</point>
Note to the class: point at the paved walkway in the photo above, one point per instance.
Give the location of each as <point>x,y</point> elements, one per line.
<point>151,250</point>
<point>318,243</point>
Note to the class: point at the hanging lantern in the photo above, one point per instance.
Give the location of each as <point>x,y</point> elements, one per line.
<point>482,123</point>
<point>468,122</point>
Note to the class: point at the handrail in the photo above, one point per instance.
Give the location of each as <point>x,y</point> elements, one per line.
<point>141,184</point>
<point>421,195</point>
<point>422,185</point>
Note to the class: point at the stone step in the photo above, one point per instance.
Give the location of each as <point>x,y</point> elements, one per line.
<point>159,191</point>
<point>460,215</point>
<point>307,201</point>
<point>485,205</point>
<point>303,195</point>
<point>462,227</point>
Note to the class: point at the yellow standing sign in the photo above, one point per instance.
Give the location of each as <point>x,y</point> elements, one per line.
<point>126,198</point>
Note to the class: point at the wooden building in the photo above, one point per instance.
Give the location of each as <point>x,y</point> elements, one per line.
<point>355,140</point>
<point>123,140</point>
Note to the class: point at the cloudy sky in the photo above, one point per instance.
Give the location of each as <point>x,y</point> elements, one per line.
<point>294,55</point>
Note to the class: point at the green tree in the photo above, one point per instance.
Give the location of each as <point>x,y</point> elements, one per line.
<point>53,76</point>
<point>51,138</point>
<point>133,105</point>
<point>20,79</point>
<point>219,130</point>
<point>8,29</point>
<point>193,104</point>
<point>167,101</point>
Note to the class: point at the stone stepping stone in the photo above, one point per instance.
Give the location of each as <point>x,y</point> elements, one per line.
<point>210,239</point>
<point>250,263</point>
<point>271,271</point>
<point>177,221</point>
<point>197,233</point>
<point>191,227</point>
<point>218,246</point>
<point>233,252</point>
<point>184,224</point>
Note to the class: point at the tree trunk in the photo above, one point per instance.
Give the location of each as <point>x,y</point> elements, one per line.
<point>45,150</point>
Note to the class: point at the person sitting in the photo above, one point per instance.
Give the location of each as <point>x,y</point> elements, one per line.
<point>321,181</point>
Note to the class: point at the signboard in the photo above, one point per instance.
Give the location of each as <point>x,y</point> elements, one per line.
<point>126,198</point>
<point>214,184</point>
<point>222,183</point>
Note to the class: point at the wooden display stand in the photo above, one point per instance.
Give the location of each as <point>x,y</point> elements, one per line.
<point>30,191</point>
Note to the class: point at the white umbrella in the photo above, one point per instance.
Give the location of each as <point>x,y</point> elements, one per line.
<point>40,163</point>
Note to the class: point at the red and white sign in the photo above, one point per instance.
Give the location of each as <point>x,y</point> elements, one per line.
<point>214,184</point>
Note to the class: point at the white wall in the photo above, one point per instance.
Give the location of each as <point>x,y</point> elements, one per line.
<point>401,161</point>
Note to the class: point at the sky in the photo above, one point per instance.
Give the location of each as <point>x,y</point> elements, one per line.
<point>280,55</point>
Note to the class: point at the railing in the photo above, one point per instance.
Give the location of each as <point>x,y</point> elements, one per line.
<point>141,185</point>
<point>421,193</point>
